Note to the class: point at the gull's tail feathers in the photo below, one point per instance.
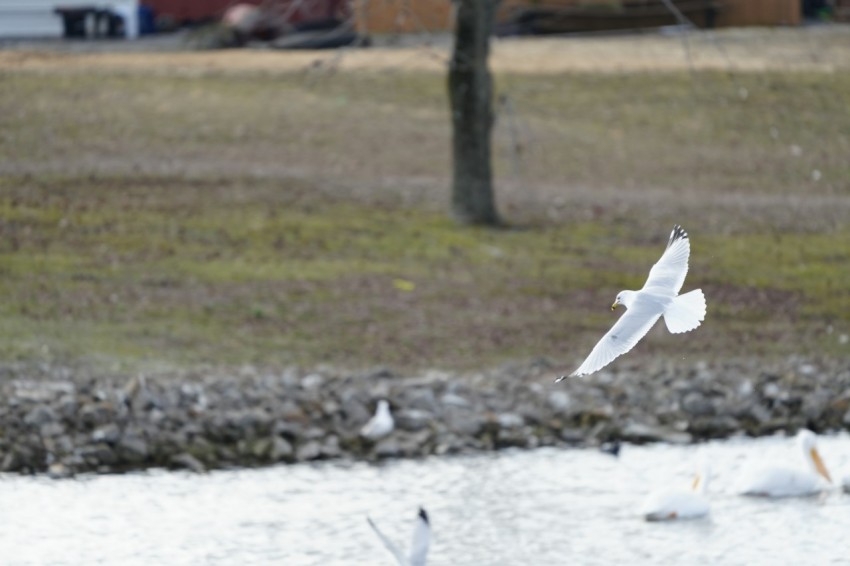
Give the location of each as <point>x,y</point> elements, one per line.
<point>686,312</point>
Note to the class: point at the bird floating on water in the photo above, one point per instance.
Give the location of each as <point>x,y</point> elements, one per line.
<point>676,504</point>
<point>419,546</point>
<point>658,297</point>
<point>782,481</point>
<point>381,424</point>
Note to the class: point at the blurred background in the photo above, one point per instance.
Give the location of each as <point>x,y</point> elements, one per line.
<point>210,206</point>
<point>163,204</point>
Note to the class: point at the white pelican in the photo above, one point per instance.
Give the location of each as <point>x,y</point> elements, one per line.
<point>419,546</point>
<point>381,424</point>
<point>659,296</point>
<point>672,504</point>
<point>779,481</point>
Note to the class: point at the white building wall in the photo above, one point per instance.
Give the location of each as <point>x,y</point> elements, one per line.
<point>37,18</point>
<point>29,18</point>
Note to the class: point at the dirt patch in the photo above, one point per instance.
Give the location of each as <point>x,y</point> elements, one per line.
<point>812,49</point>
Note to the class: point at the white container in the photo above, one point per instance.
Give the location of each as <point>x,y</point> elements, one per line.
<point>129,12</point>
<point>33,18</point>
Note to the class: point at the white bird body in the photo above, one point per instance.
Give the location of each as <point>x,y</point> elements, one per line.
<point>419,545</point>
<point>781,481</point>
<point>678,504</point>
<point>381,424</point>
<point>674,504</point>
<point>658,297</point>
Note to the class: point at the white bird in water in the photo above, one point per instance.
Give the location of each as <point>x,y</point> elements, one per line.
<point>673,504</point>
<point>659,297</point>
<point>381,424</point>
<point>419,546</point>
<point>779,481</point>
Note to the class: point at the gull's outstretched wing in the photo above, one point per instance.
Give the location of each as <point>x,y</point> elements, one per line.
<point>669,272</point>
<point>399,556</point>
<point>622,337</point>
<point>421,539</point>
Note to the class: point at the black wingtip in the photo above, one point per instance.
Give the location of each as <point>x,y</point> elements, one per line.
<point>678,233</point>
<point>423,515</point>
<point>562,378</point>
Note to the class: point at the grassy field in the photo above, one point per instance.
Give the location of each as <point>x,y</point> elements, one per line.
<point>164,216</point>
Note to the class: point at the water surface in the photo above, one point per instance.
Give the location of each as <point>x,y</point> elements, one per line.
<point>549,506</point>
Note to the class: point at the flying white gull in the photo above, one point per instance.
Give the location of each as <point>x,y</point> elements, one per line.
<point>659,296</point>
<point>419,546</point>
<point>381,423</point>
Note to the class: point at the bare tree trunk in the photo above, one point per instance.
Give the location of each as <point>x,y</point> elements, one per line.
<point>471,97</point>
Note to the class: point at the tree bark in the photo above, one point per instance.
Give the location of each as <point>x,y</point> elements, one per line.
<point>471,97</point>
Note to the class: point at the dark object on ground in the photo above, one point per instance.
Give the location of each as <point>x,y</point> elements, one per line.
<point>90,22</point>
<point>544,20</point>
<point>612,448</point>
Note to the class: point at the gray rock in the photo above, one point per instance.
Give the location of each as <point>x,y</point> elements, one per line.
<point>815,405</point>
<point>639,432</point>
<point>51,429</point>
<point>387,448</point>
<point>109,433</point>
<point>312,382</point>
<point>510,420</point>
<point>758,412</point>
<point>414,444</point>
<point>185,461</point>
<point>310,450</point>
<point>98,454</point>
<point>413,419</point>
<point>330,447</point>
<point>133,448</point>
<point>280,450</point>
<point>355,411</point>
<point>39,416</point>
<point>94,414</point>
<point>58,470</point>
<point>422,399</point>
<point>771,391</point>
<point>290,429</point>
<point>463,421</point>
<point>715,426</point>
<point>572,435</point>
<point>560,401</point>
<point>453,400</point>
<point>695,403</point>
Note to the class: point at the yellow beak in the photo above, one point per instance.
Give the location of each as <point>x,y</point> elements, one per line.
<point>614,306</point>
<point>819,466</point>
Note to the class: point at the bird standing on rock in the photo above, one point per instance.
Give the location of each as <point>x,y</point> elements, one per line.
<point>381,424</point>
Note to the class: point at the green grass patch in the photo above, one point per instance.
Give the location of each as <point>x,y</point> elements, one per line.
<point>111,273</point>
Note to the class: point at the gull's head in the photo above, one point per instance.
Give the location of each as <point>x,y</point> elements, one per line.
<point>624,298</point>
<point>383,406</point>
<point>807,441</point>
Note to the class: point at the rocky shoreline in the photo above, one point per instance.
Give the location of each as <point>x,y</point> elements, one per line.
<point>63,423</point>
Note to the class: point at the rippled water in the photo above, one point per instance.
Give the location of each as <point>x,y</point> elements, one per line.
<point>541,507</point>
